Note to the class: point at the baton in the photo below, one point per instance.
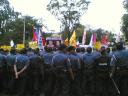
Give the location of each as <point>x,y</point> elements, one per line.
<point>118,91</point>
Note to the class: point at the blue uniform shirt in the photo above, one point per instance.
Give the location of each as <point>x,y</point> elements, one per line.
<point>120,58</point>
<point>75,61</point>
<point>88,59</point>
<point>2,60</point>
<point>21,61</point>
<point>61,61</point>
<point>10,59</point>
<point>96,54</point>
<point>48,58</point>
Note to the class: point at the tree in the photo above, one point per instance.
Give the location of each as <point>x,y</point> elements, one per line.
<point>6,13</point>
<point>124,26</point>
<point>68,12</point>
<point>15,29</point>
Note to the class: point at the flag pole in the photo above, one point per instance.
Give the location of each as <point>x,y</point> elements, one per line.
<point>24,32</point>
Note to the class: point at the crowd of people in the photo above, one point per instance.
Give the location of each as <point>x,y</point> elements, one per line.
<point>66,71</point>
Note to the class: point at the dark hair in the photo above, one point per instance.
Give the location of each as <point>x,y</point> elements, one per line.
<point>36,51</point>
<point>29,49</point>
<point>62,47</point>
<point>78,50</point>
<point>89,49</point>
<point>23,51</point>
<point>108,50</point>
<point>13,51</point>
<point>82,49</point>
<point>48,49</point>
<point>119,46</point>
<point>103,50</point>
<point>1,50</point>
<point>70,48</point>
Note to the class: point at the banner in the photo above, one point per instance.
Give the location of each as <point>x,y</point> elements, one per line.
<point>4,47</point>
<point>33,45</point>
<point>20,46</point>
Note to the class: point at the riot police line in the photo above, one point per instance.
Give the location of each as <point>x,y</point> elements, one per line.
<point>68,71</point>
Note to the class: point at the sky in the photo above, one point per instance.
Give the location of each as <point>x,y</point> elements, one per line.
<point>105,14</point>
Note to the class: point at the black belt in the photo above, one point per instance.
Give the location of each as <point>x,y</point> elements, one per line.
<point>47,66</point>
<point>121,68</point>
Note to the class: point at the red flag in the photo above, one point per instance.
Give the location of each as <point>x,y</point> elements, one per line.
<point>104,40</point>
<point>43,40</point>
<point>94,38</point>
<point>34,36</point>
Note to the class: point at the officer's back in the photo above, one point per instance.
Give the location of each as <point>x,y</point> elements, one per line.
<point>102,73</point>
<point>60,59</point>
<point>62,70</point>
<point>2,59</point>
<point>11,58</point>
<point>35,73</point>
<point>74,59</point>
<point>76,66</point>
<point>20,67</point>
<point>2,69</point>
<point>21,59</point>
<point>119,64</point>
<point>88,58</point>
<point>48,56</point>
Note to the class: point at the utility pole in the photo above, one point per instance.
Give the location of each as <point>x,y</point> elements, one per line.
<point>24,32</point>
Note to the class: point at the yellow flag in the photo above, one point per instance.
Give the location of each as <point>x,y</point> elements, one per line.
<point>73,39</point>
<point>97,45</point>
<point>66,42</point>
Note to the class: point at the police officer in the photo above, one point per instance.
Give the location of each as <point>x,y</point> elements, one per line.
<point>78,51</point>
<point>75,65</point>
<point>48,76</point>
<point>62,72</point>
<point>102,73</point>
<point>30,52</point>
<point>35,74</point>
<point>82,49</point>
<point>88,75</point>
<point>2,65</point>
<point>10,71</point>
<point>20,66</point>
<point>119,64</point>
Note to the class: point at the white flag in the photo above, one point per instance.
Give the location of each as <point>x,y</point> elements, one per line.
<point>84,38</point>
<point>40,43</point>
<point>91,41</point>
<point>118,38</point>
<point>11,43</point>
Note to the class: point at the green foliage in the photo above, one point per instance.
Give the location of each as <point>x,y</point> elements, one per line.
<point>68,12</point>
<point>12,27</point>
<point>15,29</point>
<point>6,13</point>
<point>124,26</point>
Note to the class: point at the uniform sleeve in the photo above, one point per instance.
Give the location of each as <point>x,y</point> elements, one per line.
<point>15,61</point>
<point>52,61</point>
<point>79,64</point>
<point>113,61</point>
<point>68,63</point>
